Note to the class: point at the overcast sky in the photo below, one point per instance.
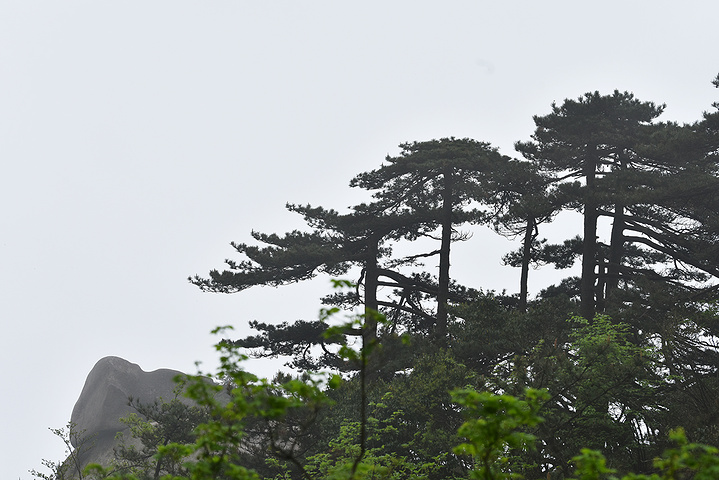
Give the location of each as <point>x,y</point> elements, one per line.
<point>138,138</point>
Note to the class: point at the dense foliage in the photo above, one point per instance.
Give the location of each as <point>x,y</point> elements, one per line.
<point>435,380</point>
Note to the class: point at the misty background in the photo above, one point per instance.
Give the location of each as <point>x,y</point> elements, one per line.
<point>137,139</point>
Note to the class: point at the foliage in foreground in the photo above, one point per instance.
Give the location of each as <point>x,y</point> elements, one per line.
<point>497,438</point>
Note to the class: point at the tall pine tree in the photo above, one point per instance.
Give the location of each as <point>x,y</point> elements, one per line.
<point>591,139</point>
<point>443,180</point>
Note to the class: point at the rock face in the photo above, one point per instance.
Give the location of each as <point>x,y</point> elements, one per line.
<point>104,400</point>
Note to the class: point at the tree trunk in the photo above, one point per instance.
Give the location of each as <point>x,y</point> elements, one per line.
<point>371,305</point>
<point>443,291</point>
<point>601,276</point>
<point>589,251</point>
<point>616,251</point>
<point>529,235</point>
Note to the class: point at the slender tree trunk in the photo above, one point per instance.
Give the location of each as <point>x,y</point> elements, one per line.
<point>589,251</point>
<point>616,251</point>
<point>443,292</point>
<point>371,304</point>
<point>529,235</point>
<point>158,465</point>
<point>601,275</point>
<point>616,243</point>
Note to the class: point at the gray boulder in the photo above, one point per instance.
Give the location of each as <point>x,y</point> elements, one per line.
<point>104,400</point>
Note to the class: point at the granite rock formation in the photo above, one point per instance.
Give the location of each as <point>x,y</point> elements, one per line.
<point>104,400</point>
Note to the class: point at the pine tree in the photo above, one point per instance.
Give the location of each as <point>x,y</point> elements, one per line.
<point>592,139</point>
<point>521,203</point>
<point>336,243</point>
<point>436,181</point>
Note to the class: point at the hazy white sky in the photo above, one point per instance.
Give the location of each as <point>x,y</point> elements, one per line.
<point>138,138</point>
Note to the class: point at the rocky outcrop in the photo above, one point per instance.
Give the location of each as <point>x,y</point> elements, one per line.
<point>104,400</point>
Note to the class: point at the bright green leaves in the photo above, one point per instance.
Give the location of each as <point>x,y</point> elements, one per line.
<point>685,460</point>
<point>337,461</point>
<point>285,409</point>
<point>591,465</point>
<point>334,382</point>
<point>602,343</point>
<point>688,458</point>
<point>494,428</point>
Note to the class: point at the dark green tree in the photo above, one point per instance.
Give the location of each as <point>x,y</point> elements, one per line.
<point>336,243</point>
<point>442,182</point>
<point>451,175</point>
<point>155,425</point>
<point>591,139</point>
<point>521,203</point>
